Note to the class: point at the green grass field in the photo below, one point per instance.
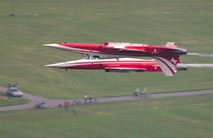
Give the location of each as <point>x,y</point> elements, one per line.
<point>176,117</point>
<point>7,101</point>
<point>189,24</point>
<point>37,22</point>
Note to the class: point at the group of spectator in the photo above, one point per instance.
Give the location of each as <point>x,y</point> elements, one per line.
<point>86,100</point>
<point>15,85</point>
<point>137,92</point>
<point>90,99</point>
<point>66,106</point>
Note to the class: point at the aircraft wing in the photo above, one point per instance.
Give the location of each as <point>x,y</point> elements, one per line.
<point>124,46</point>
<point>127,70</point>
<point>124,49</point>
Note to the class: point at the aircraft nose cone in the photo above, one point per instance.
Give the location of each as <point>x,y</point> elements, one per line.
<point>52,45</point>
<point>53,66</point>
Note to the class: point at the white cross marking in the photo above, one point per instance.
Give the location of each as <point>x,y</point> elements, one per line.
<point>173,60</point>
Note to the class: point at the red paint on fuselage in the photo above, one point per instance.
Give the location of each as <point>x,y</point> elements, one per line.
<point>83,46</point>
<point>146,50</point>
<point>146,65</point>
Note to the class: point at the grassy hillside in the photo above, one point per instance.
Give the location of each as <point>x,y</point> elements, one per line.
<point>188,23</point>
<point>176,117</point>
<point>7,101</point>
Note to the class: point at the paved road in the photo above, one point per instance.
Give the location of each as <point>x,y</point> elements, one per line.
<point>55,102</point>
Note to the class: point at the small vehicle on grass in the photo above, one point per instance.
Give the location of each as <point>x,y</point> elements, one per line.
<point>14,92</point>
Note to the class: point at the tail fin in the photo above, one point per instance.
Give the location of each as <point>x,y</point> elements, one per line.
<point>168,64</point>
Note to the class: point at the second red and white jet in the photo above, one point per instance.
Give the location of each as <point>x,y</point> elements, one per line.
<point>121,50</point>
<point>166,64</point>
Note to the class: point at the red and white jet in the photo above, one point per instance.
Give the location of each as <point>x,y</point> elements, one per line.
<point>120,50</point>
<point>166,64</point>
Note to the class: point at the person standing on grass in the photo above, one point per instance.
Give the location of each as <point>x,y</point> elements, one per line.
<point>74,110</point>
<point>17,84</point>
<point>66,105</point>
<point>145,91</point>
<point>90,98</point>
<point>9,84</point>
<point>85,98</point>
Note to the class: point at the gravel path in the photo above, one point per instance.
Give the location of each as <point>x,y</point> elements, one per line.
<point>55,102</point>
